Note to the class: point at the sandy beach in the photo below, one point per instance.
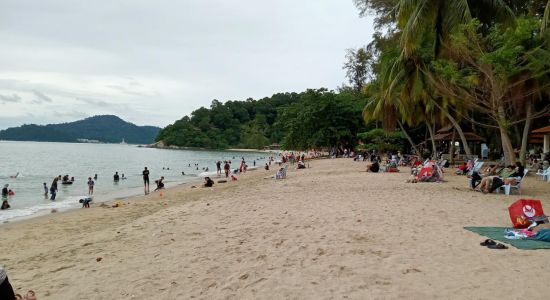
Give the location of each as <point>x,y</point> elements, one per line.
<point>329,232</point>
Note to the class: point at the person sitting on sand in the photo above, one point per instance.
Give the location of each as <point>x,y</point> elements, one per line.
<point>280,174</point>
<point>373,167</point>
<point>5,205</point>
<point>208,182</point>
<point>266,167</point>
<point>301,165</point>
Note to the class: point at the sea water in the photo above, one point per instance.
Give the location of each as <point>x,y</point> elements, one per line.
<point>39,162</point>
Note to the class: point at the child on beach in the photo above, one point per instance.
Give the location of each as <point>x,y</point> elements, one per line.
<point>45,190</point>
<point>85,202</point>
<point>208,182</point>
<point>90,186</point>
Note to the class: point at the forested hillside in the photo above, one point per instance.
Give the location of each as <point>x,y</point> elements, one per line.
<point>106,128</point>
<point>314,118</point>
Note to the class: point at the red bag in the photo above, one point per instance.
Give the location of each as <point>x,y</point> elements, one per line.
<point>524,209</point>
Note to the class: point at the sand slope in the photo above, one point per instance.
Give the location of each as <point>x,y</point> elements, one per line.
<point>329,232</point>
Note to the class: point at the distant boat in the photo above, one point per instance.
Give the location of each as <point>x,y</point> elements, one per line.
<point>123,142</point>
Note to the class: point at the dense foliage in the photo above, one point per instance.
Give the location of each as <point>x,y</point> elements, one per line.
<point>482,63</point>
<point>107,129</point>
<point>311,119</point>
<point>381,140</point>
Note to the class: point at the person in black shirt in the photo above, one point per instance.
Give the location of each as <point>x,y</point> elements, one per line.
<point>208,182</point>
<point>5,191</point>
<point>219,167</point>
<point>53,188</point>
<point>116,178</point>
<point>146,180</point>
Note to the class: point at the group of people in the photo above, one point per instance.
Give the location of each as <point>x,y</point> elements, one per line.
<point>6,193</point>
<point>493,177</point>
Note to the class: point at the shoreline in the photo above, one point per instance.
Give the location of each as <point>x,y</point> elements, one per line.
<point>331,231</point>
<point>127,193</point>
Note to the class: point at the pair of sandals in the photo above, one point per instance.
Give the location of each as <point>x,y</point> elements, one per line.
<point>493,245</point>
<point>29,296</point>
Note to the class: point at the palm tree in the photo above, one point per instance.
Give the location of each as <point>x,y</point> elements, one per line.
<point>438,18</point>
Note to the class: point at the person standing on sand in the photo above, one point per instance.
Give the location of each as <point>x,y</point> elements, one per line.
<point>146,180</point>
<point>219,167</point>
<point>90,186</point>
<point>226,168</point>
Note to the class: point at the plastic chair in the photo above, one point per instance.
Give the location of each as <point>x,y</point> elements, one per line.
<point>508,187</point>
<point>544,175</point>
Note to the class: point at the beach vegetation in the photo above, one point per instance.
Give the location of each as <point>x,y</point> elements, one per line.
<point>479,63</point>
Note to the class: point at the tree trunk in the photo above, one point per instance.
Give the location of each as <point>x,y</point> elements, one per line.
<point>460,133</point>
<point>507,148</point>
<point>434,148</point>
<point>526,129</point>
<point>408,138</point>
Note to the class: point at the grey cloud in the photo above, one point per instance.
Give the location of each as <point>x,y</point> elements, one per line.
<point>111,106</point>
<point>70,114</point>
<point>128,91</point>
<point>171,57</point>
<point>41,97</point>
<point>14,98</point>
<point>94,102</point>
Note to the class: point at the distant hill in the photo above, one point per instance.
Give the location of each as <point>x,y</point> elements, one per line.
<point>106,129</point>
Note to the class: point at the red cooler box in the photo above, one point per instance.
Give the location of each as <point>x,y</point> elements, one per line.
<point>523,209</point>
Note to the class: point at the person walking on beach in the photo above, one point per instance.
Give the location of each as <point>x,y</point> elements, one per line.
<point>146,180</point>
<point>53,188</point>
<point>219,167</point>
<point>90,186</point>
<point>226,168</point>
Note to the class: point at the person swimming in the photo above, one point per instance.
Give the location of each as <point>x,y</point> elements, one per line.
<point>5,205</point>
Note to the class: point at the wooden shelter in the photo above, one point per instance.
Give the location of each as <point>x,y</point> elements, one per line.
<point>541,136</point>
<point>447,135</point>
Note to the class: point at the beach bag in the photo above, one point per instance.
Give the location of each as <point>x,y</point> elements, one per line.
<point>523,211</point>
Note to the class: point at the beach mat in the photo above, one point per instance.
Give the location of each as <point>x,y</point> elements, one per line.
<point>497,234</point>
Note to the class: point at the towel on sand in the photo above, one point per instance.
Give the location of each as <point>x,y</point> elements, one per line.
<point>497,233</point>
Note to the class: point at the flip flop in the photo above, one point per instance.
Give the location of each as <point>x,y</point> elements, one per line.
<point>488,242</point>
<point>497,246</point>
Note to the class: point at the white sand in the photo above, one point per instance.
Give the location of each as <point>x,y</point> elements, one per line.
<point>329,232</point>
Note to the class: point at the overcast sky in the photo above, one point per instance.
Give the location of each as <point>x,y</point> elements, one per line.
<point>154,61</point>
